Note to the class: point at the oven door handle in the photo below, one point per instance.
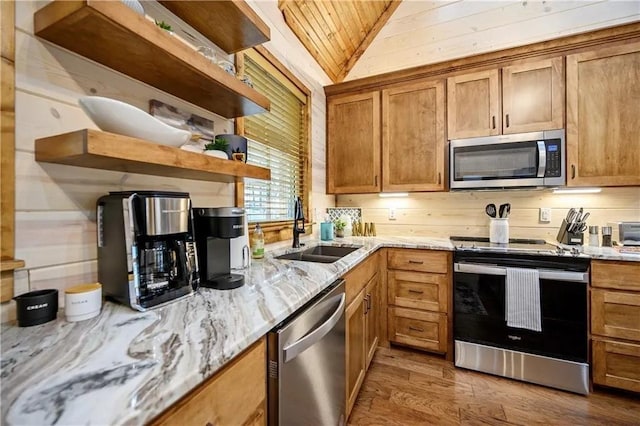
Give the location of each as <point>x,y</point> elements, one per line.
<point>545,274</point>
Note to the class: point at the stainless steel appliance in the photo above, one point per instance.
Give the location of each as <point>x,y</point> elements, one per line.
<point>534,159</point>
<point>146,251</point>
<point>555,356</point>
<point>629,233</point>
<point>306,363</point>
<point>215,229</point>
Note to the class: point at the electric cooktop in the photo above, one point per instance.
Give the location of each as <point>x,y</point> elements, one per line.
<point>515,245</point>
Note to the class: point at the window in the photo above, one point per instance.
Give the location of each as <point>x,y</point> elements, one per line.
<point>278,140</point>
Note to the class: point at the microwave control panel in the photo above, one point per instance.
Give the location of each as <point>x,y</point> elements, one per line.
<point>554,158</point>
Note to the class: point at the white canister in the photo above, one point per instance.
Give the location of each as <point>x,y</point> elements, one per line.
<point>499,230</point>
<point>82,302</point>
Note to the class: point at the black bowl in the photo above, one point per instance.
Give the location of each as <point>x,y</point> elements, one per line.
<point>36,307</point>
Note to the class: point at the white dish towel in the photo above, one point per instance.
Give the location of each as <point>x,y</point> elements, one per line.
<point>523,299</point>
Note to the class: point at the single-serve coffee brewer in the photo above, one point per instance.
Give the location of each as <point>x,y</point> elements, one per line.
<point>218,232</point>
<point>146,249</point>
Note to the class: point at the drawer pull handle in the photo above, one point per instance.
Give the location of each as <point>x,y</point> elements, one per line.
<point>416,262</point>
<point>421,330</point>
<point>416,291</point>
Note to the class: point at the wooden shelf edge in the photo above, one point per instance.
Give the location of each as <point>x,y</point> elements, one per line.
<point>11,264</point>
<point>108,151</point>
<point>232,25</point>
<point>136,45</point>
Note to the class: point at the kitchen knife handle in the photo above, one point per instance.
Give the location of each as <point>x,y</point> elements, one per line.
<point>506,118</point>
<point>573,171</point>
<point>493,120</point>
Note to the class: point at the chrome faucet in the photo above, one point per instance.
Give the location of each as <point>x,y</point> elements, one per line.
<point>298,222</point>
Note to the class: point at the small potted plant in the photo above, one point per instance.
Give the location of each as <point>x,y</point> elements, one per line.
<point>165,26</point>
<point>217,148</point>
<point>340,225</point>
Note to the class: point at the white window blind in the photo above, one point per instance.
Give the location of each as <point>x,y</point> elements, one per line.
<point>278,141</point>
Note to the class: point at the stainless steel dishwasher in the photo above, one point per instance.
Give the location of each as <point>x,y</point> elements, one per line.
<point>307,363</point>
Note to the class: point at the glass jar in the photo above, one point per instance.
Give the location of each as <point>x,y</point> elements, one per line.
<point>593,236</point>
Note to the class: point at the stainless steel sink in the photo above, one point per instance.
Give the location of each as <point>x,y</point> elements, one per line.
<point>319,254</point>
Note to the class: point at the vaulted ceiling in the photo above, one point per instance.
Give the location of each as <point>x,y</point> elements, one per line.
<point>336,32</point>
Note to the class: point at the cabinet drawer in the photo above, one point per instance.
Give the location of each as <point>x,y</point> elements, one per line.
<point>613,274</point>
<point>419,260</point>
<point>426,330</point>
<point>357,278</point>
<point>616,365</point>
<point>615,314</point>
<point>418,290</point>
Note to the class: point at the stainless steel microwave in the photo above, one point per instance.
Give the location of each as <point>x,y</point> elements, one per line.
<point>522,160</point>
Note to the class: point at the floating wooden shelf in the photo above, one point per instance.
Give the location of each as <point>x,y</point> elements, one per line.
<point>108,151</point>
<point>114,35</point>
<point>231,25</point>
<point>11,264</point>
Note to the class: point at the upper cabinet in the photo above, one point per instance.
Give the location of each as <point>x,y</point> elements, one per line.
<point>413,137</point>
<point>353,147</point>
<point>532,99</point>
<point>113,35</point>
<point>603,129</point>
<point>394,145</point>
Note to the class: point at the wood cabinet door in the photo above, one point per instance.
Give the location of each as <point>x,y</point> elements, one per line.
<point>603,129</point>
<point>355,353</point>
<point>353,144</point>
<point>533,96</point>
<point>473,105</point>
<point>413,137</point>
<point>234,396</point>
<point>434,261</point>
<point>372,317</point>
<point>618,275</point>
<point>616,364</point>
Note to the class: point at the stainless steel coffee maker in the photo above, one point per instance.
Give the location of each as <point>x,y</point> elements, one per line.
<point>146,249</point>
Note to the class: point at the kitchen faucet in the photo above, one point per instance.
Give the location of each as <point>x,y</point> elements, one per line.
<point>298,222</point>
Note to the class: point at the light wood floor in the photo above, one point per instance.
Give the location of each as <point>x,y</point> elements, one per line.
<point>405,387</point>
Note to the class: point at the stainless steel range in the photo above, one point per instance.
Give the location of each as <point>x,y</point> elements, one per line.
<point>521,311</point>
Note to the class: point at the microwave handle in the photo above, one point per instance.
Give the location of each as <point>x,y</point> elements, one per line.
<point>542,159</point>
<point>581,277</point>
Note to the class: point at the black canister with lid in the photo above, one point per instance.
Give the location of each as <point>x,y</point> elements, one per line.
<point>36,307</point>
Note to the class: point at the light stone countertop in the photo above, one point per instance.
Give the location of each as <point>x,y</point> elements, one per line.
<point>126,367</point>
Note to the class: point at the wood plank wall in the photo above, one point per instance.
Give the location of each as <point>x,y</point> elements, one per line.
<point>428,32</point>
<point>462,213</point>
<point>55,205</point>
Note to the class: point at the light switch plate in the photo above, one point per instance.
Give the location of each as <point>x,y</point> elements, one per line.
<point>392,213</point>
<point>545,214</point>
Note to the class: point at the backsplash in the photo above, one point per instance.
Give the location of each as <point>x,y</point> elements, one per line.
<point>462,213</point>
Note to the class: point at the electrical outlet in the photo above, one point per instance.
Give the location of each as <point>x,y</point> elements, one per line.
<point>392,213</point>
<point>545,214</point>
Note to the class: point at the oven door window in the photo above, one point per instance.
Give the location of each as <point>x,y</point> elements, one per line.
<point>518,160</point>
<point>480,317</point>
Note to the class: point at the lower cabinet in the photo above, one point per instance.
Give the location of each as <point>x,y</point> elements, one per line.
<point>615,324</point>
<point>362,324</point>
<point>419,298</point>
<point>236,395</point>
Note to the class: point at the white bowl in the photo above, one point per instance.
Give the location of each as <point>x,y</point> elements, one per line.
<point>124,119</point>
<point>216,153</point>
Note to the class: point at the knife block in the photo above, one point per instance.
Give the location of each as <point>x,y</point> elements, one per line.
<point>570,238</point>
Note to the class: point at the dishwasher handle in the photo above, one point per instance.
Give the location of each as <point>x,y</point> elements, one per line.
<point>296,348</point>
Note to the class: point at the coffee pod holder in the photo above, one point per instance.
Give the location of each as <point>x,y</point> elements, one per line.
<point>569,238</point>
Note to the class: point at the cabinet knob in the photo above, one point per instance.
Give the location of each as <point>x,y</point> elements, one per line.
<point>421,330</point>
<point>573,171</point>
<point>439,178</point>
<point>416,262</point>
<point>506,119</point>
<point>493,121</point>
<point>415,291</point>
<point>375,180</point>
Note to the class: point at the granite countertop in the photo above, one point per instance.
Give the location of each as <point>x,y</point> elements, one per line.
<point>127,367</point>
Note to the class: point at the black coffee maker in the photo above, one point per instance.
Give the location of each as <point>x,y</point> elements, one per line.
<point>146,251</point>
<point>215,228</point>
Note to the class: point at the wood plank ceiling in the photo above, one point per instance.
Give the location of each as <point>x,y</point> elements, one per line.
<point>336,32</point>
